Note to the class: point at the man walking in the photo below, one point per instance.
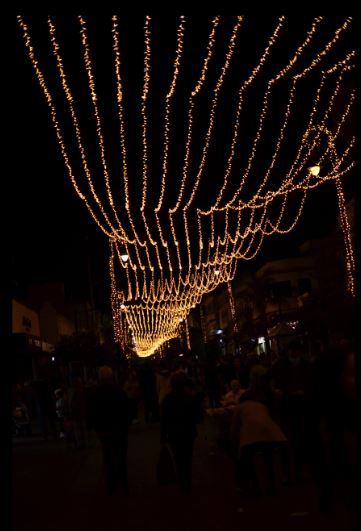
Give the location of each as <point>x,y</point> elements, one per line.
<point>109,415</point>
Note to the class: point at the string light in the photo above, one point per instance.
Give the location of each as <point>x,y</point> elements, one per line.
<point>170,94</point>
<point>108,232</point>
<point>187,335</point>
<point>231,305</point>
<point>203,326</point>
<point>160,289</point>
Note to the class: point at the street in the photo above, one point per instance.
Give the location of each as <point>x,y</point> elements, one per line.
<point>56,487</point>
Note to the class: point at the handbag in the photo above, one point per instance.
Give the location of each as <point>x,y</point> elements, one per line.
<point>166,473</point>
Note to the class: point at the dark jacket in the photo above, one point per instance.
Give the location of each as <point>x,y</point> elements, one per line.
<point>179,416</point>
<point>108,409</point>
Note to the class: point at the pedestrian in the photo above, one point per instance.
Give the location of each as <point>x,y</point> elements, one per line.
<point>178,427</point>
<point>109,416</point>
<point>163,382</point>
<point>292,378</point>
<point>132,390</point>
<point>60,408</point>
<point>254,431</point>
<point>77,411</point>
<point>148,386</point>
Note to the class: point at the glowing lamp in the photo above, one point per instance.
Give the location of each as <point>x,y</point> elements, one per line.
<point>314,170</point>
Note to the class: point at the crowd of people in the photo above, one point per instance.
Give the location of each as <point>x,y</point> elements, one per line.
<point>287,408</point>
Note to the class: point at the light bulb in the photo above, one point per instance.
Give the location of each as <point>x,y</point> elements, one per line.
<point>315,170</point>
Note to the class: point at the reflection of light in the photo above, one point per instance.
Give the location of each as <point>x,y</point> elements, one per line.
<point>122,306</point>
<point>292,324</point>
<point>216,272</point>
<point>181,320</point>
<point>193,305</point>
<point>180,355</point>
<point>314,170</point>
<point>53,359</point>
<point>219,331</point>
<point>261,340</point>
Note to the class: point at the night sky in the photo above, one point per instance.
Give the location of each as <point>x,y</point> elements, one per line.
<point>53,235</point>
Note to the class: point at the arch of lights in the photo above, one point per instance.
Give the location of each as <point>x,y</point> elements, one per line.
<point>179,251</point>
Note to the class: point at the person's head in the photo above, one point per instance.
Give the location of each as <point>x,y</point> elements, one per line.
<point>235,386</point>
<point>178,381</point>
<point>273,355</point>
<point>294,353</point>
<point>58,393</point>
<point>75,380</point>
<point>163,367</point>
<point>17,395</point>
<point>106,374</point>
<point>345,345</point>
<point>237,363</point>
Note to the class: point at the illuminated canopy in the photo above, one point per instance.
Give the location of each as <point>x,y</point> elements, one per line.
<point>238,150</point>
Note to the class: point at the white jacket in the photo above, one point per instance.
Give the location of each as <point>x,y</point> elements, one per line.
<point>252,423</point>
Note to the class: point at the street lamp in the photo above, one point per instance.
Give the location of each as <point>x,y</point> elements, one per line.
<point>314,170</point>
<point>124,255</point>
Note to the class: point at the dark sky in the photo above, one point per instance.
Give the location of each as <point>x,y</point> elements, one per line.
<point>53,233</point>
